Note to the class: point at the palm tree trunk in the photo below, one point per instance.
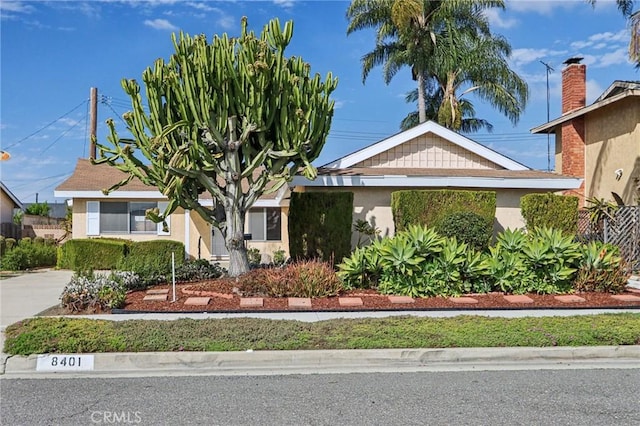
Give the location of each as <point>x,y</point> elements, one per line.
<point>422,109</point>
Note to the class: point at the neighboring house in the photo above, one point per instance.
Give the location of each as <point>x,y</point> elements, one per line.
<point>429,156</point>
<point>9,203</point>
<point>599,143</point>
<point>121,214</point>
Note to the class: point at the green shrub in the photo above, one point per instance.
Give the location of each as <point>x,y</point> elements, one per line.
<point>38,240</point>
<point>254,257</point>
<point>27,256</point>
<point>431,207</point>
<point>309,278</point>
<point>92,253</point>
<point>467,227</point>
<point>39,209</point>
<point>279,257</point>
<point>600,268</point>
<point>550,211</point>
<point>197,270</point>
<point>320,225</point>
<point>9,243</point>
<point>151,260</point>
<point>3,245</point>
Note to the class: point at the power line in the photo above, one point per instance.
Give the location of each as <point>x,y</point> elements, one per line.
<point>48,125</point>
<point>63,134</point>
<point>29,181</point>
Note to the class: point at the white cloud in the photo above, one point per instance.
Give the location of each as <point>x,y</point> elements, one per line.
<point>284,3</point>
<point>543,7</point>
<point>496,20</point>
<point>618,56</point>
<point>227,22</point>
<point>525,56</point>
<point>16,7</point>
<point>593,91</point>
<point>160,24</point>
<point>201,6</point>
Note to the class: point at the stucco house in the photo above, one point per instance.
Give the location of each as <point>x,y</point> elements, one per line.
<point>427,156</point>
<point>599,143</point>
<point>9,203</point>
<point>121,214</point>
<point>430,156</point>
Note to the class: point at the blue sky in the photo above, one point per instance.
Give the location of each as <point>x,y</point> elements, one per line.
<point>52,52</point>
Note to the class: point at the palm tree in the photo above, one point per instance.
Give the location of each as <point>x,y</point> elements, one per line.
<point>469,123</point>
<point>464,62</point>
<point>406,33</point>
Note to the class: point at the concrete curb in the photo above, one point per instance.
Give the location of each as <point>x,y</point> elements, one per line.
<point>288,362</point>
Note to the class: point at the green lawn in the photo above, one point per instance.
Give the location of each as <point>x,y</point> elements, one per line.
<point>76,335</point>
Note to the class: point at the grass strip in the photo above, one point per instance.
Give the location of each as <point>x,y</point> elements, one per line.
<point>77,335</point>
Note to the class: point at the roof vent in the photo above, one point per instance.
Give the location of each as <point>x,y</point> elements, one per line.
<point>575,60</point>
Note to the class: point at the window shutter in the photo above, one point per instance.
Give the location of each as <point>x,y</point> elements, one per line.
<point>161,206</point>
<point>93,217</point>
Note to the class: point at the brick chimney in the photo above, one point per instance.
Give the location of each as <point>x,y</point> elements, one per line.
<point>574,94</point>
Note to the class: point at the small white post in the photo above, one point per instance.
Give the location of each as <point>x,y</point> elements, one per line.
<point>173,273</point>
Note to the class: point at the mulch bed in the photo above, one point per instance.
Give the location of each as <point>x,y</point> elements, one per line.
<point>225,298</point>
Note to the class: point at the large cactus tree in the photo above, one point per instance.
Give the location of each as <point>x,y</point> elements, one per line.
<point>234,118</point>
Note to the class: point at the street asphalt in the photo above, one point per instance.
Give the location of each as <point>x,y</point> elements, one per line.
<point>28,294</point>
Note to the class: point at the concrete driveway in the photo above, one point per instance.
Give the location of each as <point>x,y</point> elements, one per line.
<point>30,293</point>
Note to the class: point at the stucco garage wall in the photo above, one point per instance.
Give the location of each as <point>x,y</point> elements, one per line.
<point>374,205</point>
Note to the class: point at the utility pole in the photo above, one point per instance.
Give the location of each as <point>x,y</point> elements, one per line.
<point>93,121</point>
<point>549,69</point>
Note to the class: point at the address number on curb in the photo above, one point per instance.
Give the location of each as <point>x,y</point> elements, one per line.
<point>62,362</point>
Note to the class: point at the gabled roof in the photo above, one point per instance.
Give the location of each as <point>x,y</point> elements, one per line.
<point>419,130</point>
<point>617,87</point>
<point>11,196</point>
<point>345,172</point>
<point>88,180</point>
<point>617,91</point>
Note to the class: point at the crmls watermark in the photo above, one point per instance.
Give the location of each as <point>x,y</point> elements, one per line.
<point>116,417</point>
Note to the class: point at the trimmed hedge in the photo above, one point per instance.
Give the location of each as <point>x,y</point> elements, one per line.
<point>105,253</point>
<point>467,227</point>
<point>431,207</point>
<point>551,211</point>
<point>320,225</point>
<point>91,253</point>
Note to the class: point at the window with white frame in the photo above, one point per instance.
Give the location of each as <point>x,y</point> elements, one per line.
<point>121,217</point>
<point>265,224</point>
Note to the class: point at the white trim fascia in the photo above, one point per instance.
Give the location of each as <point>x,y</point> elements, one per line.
<point>187,233</point>
<point>419,130</point>
<point>444,182</point>
<point>550,126</point>
<point>136,195</point>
